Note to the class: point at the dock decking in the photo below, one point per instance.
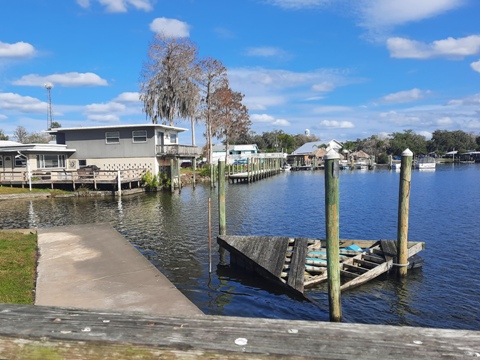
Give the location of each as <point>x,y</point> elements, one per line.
<point>296,263</point>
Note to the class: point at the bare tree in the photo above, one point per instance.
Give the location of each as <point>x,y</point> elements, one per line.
<point>168,88</point>
<point>230,116</point>
<point>213,76</point>
<point>21,134</point>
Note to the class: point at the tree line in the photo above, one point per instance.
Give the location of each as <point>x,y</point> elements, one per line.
<point>442,142</point>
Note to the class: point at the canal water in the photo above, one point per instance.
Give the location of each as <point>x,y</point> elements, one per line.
<point>171,230</point>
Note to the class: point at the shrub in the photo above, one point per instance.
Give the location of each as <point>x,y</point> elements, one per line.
<point>149,181</point>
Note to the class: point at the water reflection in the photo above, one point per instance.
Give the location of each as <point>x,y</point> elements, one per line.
<point>171,230</point>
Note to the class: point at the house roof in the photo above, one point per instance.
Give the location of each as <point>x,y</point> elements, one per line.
<point>308,148</point>
<point>361,154</point>
<point>110,127</point>
<point>12,146</point>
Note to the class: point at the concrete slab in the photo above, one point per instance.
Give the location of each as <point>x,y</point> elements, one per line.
<point>94,267</point>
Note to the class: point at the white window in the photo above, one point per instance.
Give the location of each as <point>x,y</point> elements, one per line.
<point>139,136</point>
<point>50,161</point>
<point>20,162</point>
<point>112,137</point>
<point>173,138</point>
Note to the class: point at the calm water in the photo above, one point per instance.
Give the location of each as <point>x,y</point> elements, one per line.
<point>171,231</point>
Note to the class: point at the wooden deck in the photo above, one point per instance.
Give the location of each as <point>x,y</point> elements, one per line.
<point>98,179</point>
<point>296,263</point>
<point>39,332</point>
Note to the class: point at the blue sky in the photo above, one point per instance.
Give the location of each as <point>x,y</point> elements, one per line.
<point>344,69</point>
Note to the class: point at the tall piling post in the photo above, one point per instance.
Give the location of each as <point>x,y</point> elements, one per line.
<point>172,176</point>
<point>332,217</point>
<point>403,212</point>
<point>222,222</point>
<point>222,214</point>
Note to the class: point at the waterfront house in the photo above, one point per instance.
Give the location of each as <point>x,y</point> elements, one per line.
<point>131,149</point>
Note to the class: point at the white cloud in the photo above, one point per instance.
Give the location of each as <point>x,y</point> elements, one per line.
<point>128,97</point>
<point>337,124</point>
<point>444,121</point>
<point>105,108</point>
<point>298,4</point>
<point>24,104</point>
<point>330,109</point>
<point>18,50</point>
<point>450,47</point>
<point>103,118</point>
<point>265,52</point>
<point>476,66</point>
<point>72,79</point>
<point>84,3</point>
<point>170,27</point>
<point>388,13</point>
<point>325,86</point>
<point>262,118</point>
<point>405,96</point>
<point>120,6</point>
<point>268,119</point>
<point>3,117</point>
<point>281,122</point>
<point>426,134</point>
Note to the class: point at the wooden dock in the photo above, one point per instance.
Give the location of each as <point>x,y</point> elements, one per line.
<point>42,332</point>
<point>256,169</point>
<point>296,263</point>
<point>74,179</point>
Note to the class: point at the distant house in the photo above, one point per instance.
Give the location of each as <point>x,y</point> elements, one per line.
<point>235,152</point>
<point>312,152</point>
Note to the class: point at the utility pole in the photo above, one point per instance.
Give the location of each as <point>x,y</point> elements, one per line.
<point>49,87</point>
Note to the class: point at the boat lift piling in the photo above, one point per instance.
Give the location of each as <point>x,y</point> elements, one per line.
<point>332,169</point>
<point>403,212</point>
<point>222,223</point>
<point>222,217</point>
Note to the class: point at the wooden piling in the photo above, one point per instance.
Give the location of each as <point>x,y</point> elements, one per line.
<point>222,222</point>
<point>332,170</point>
<point>172,176</point>
<point>194,165</point>
<point>403,211</point>
<point>179,177</point>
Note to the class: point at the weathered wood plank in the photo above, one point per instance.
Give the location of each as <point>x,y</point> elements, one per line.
<point>365,263</point>
<point>297,266</point>
<point>374,258</point>
<point>353,268</point>
<point>349,274</point>
<point>389,248</point>
<point>369,275</point>
<point>268,252</point>
<point>27,328</point>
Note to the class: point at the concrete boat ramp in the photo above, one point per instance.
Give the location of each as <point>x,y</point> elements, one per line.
<point>94,267</point>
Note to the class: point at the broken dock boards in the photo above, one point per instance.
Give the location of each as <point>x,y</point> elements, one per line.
<point>296,263</point>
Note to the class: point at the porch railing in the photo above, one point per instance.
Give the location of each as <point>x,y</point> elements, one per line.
<point>178,150</point>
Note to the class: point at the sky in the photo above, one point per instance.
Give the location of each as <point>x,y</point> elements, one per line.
<point>339,69</point>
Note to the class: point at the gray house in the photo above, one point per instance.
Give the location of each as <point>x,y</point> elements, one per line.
<point>140,146</point>
<point>122,151</point>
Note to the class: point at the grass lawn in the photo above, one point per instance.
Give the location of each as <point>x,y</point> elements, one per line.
<point>7,190</point>
<point>18,254</point>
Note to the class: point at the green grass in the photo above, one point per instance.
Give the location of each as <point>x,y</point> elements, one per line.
<point>7,190</point>
<point>18,254</point>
